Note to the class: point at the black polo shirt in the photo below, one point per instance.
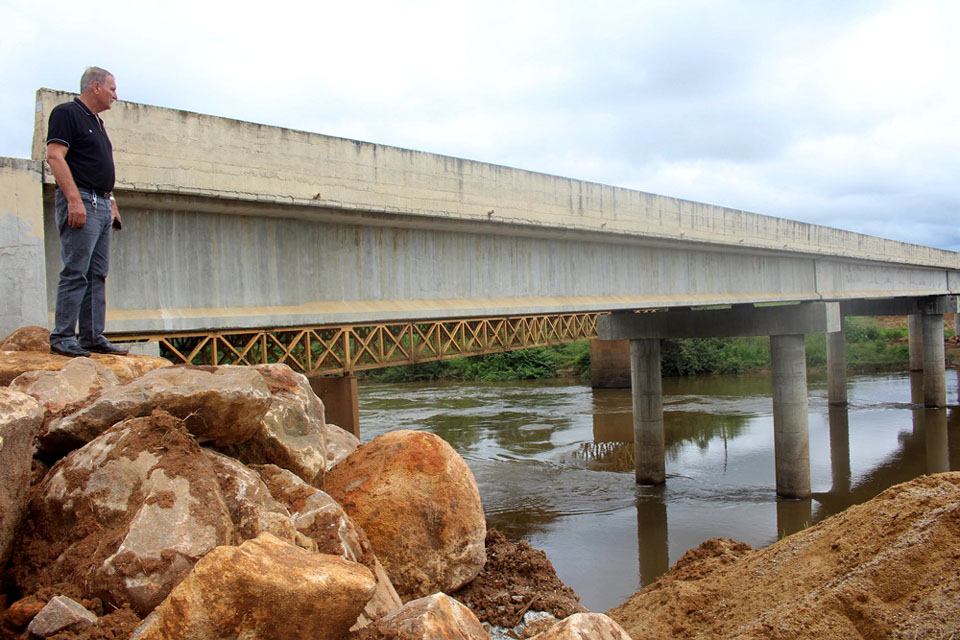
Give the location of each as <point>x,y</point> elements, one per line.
<point>89,152</point>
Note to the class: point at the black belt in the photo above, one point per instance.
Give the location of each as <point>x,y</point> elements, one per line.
<point>96,192</point>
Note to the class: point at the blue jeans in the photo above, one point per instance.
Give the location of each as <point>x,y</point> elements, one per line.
<point>85,251</point>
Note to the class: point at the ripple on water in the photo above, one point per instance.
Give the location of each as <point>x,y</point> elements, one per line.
<point>554,463</point>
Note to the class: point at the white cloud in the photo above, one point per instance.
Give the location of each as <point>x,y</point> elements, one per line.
<point>835,113</point>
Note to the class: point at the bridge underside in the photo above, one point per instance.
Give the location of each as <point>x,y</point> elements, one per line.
<point>187,263</point>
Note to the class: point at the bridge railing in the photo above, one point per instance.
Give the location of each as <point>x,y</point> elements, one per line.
<point>339,349</point>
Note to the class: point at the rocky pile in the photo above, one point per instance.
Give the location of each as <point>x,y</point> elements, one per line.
<point>217,502</point>
<point>883,569</point>
<point>28,350</point>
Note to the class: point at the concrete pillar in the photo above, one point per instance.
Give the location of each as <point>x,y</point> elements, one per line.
<point>956,316</point>
<point>836,368</point>
<point>934,362</point>
<point>647,390</point>
<point>790,428</point>
<point>916,387</point>
<point>609,364</point>
<point>341,400</point>
<point>915,339</point>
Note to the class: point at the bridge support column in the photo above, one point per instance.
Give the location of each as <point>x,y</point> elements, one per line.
<point>956,316</point>
<point>836,368</point>
<point>648,438</point>
<point>790,429</point>
<point>609,364</point>
<point>934,361</point>
<point>787,325</point>
<point>915,339</point>
<point>341,400</point>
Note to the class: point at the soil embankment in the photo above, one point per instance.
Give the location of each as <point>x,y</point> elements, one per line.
<point>889,568</point>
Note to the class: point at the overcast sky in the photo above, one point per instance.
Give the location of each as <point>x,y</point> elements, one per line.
<point>838,113</point>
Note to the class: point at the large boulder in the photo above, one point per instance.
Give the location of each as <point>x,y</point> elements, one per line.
<point>584,626</point>
<point>435,617</point>
<point>27,339</point>
<point>418,502</point>
<point>126,517</point>
<point>75,381</point>
<point>252,508</point>
<point>318,516</point>
<point>14,363</point>
<point>265,588</point>
<point>340,444</point>
<point>222,405</point>
<point>20,421</point>
<point>291,433</point>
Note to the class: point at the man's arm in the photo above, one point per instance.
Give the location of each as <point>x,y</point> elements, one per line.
<point>115,212</point>
<point>56,158</point>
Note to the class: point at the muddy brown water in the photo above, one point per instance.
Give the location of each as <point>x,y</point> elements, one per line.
<point>554,463</point>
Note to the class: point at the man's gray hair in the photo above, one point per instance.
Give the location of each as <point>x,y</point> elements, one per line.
<point>91,75</point>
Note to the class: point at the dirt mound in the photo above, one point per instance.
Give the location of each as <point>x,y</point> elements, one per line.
<point>515,579</point>
<point>889,568</point>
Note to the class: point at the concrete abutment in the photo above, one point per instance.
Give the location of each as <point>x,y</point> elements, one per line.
<point>341,400</point>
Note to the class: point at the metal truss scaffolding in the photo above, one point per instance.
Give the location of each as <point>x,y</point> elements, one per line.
<point>340,349</point>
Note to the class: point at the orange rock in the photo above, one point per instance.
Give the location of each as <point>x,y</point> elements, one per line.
<point>584,626</point>
<point>23,611</point>
<point>265,588</point>
<point>435,617</point>
<point>418,502</point>
<point>15,363</point>
<point>27,339</point>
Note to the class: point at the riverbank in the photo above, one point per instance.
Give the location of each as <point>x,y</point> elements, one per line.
<point>885,569</point>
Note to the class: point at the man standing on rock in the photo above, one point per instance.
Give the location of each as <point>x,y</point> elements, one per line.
<point>81,157</point>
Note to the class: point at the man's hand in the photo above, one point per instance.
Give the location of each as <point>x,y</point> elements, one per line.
<point>117,221</point>
<point>76,212</point>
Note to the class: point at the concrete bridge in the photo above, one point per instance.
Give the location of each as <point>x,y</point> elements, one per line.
<point>231,225</point>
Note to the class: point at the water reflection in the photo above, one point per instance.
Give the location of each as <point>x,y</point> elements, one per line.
<point>612,446</point>
<point>554,463</point>
<point>839,448</point>
<point>652,546</point>
<point>793,515</point>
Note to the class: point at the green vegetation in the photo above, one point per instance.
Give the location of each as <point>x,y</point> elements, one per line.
<point>571,359</point>
<point>692,356</point>
<point>870,345</point>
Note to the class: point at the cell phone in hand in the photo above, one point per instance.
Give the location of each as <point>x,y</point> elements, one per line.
<point>117,224</point>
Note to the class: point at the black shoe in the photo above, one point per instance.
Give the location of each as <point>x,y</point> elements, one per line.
<point>69,350</point>
<point>107,347</point>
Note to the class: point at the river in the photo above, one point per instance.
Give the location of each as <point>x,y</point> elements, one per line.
<point>554,463</point>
